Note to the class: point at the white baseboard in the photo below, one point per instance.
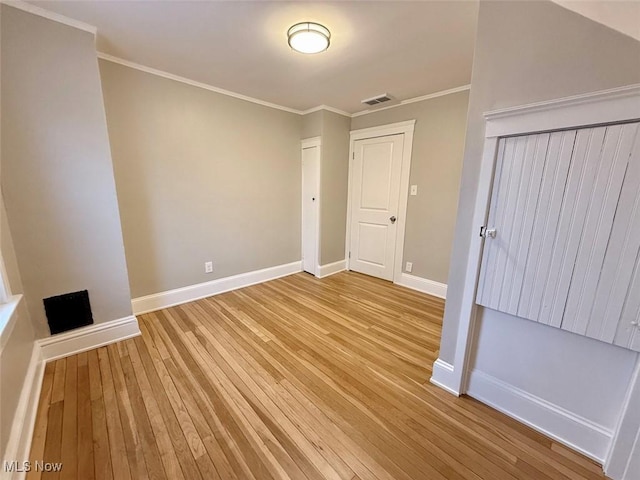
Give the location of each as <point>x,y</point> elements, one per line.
<point>24,420</point>
<point>423,285</point>
<point>331,268</point>
<point>562,425</point>
<point>170,298</point>
<point>52,348</point>
<point>442,377</point>
<point>88,338</point>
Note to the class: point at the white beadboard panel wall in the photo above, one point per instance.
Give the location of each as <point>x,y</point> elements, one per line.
<point>566,209</point>
<point>617,291</point>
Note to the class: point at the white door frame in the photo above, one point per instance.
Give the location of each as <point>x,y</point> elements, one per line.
<point>405,128</point>
<point>310,143</point>
<point>624,452</point>
<point>607,106</point>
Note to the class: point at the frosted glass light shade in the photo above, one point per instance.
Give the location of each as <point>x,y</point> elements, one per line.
<point>309,37</point>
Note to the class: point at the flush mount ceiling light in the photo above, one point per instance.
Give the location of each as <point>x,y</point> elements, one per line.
<point>309,37</point>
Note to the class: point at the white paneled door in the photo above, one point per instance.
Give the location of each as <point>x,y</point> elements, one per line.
<point>310,207</point>
<point>375,197</point>
<point>565,209</point>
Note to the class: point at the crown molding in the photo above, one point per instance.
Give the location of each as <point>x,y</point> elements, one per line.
<point>56,17</point>
<point>421,98</point>
<point>206,86</point>
<point>327,108</point>
<point>581,99</point>
<point>193,83</point>
<point>620,104</point>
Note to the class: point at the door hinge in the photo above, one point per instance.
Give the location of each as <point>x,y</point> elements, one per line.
<point>349,254</point>
<point>353,156</point>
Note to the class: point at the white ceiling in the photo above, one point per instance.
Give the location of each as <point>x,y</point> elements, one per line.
<point>406,49</point>
<point>621,15</point>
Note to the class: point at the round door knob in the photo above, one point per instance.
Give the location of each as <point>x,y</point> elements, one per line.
<point>393,219</point>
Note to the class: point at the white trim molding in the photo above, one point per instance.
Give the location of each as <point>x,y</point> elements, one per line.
<point>442,376</point>
<point>606,106</point>
<point>154,71</point>
<point>331,268</point>
<point>406,128</point>
<point>327,108</point>
<point>24,419</point>
<point>87,338</point>
<point>311,142</point>
<point>383,130</point>
<point>574,431</point>
<point>193,83</point>
<point>8,318</point>
<point>49,15</point>
<point>625,446</point>
<point>178,296</point>
<point>423,285</point>
<point>421,98</point>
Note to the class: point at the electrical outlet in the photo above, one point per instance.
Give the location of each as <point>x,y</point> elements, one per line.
<point>208,267</point>
<point>414,189</point>
<point>409,267</point>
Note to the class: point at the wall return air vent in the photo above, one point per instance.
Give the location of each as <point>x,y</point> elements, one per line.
<point>377,99</point>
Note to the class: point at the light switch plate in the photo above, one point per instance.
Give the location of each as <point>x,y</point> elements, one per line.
<point>414,189</point>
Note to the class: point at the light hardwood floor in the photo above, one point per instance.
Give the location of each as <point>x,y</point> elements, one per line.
<point>296,378</point>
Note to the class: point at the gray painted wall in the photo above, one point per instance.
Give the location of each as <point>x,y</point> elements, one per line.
<point>334,186</point>
<point>312,124</point>
<point>57,175</point>
<point>436,163</point>
<point>200,176</point>
<point>527,52</point>
<point>15,356</point>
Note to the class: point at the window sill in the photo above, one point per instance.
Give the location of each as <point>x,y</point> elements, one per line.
<point>8,316</point>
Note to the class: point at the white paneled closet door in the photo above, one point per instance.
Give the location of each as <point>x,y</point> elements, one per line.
<point>566,210</point>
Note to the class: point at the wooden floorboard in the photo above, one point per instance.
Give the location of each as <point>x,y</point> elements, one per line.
<point>296,378</point>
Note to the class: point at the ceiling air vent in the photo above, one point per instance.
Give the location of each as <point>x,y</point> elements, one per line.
<point>377,100</point>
